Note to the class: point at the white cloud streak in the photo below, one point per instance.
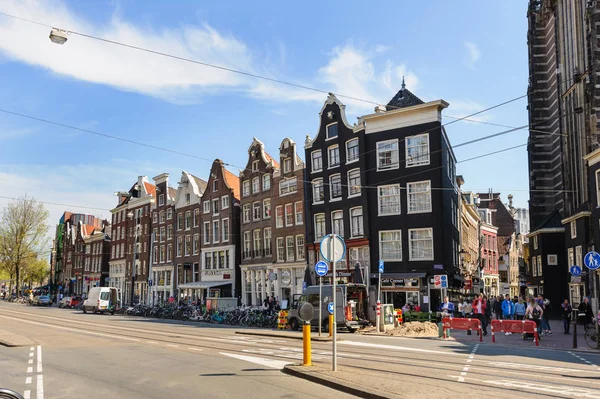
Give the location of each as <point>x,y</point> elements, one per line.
<point>473,54</point>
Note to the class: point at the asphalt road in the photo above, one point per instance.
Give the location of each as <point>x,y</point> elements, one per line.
<point>89,356</point>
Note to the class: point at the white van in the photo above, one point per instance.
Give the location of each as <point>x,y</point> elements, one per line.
<point>101,299</point>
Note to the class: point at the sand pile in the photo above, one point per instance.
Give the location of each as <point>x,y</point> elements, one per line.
<point>415,329</point>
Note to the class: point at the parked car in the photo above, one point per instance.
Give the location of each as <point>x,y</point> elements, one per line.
<point>65,302</point>
<point>75,301</point>
<point>42,300</point>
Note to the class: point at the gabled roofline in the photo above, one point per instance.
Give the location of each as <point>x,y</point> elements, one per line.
<point>331,99</point>
<point>436,103</point>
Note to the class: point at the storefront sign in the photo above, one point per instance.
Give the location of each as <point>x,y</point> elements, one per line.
<point>212,272</point>
<point>286,278</point>
<point>438,267</point>
<point>227,277</point>
<point>272,276</point>
<point>400,282</point>
<point>341,273</point>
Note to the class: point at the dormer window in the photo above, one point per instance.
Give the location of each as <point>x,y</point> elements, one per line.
<point>255,166</point>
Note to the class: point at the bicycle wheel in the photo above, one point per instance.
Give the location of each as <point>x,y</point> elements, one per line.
<point>591,338</point>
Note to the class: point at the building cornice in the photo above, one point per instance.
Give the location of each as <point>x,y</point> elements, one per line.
<point>593,157</point>
<point>545,231</point>
<point>579,215</point>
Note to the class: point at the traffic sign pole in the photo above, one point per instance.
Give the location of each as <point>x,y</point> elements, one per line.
<point>332,256</point>
<point>320,303</point>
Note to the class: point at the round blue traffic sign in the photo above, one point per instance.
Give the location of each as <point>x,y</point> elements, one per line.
<point>575,271</point>
<point>330,307</point>
<point>592,260</point>
<point>321,268</point>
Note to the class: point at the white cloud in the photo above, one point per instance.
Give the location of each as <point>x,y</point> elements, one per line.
<point>349,70</point>
<point>473,54</point>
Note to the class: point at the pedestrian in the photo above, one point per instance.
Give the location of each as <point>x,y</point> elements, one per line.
<point>447,308</point>
<point>417,307</point>
<point>520,309</point>
<point>406,308</point>
<point>545,305</point>
<point>508,310</point>
<point>498,307</point>
<point>534,312</point>
<point>460,307</point>
<point>566,315</point>
<point>585,312</point>
<point>468,311</point>
<point>479,308</point>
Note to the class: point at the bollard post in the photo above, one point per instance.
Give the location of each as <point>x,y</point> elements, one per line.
<point>377,321</point>
<point>331,325</point>
<point>307,360</point>
<point>574,329</point>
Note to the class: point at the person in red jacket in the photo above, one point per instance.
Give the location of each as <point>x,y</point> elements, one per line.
<point>479,308</point>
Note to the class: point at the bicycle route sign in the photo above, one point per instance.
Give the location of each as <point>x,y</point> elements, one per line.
<point>575,271</point>
<point>330,307</point>
<point>321,268</point>
<point>592,260</point>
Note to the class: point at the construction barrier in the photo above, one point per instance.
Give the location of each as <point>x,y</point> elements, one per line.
<point>515,326</point>
<point>282,320</point>
<point>398,314</point>
<point>457,323</point>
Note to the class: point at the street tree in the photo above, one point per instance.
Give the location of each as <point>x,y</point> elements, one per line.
<point>23,228</point>
<point>36,271</point>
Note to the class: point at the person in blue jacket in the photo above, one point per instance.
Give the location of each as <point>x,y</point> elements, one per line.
<point>447,307</point>
<point>508,310</point>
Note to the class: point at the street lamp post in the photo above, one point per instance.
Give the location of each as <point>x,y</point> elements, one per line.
<point>134,266</point>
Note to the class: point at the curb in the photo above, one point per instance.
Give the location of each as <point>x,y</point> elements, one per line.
<point>275,335</point>
<point>345,387</point>
<point>13,341</point>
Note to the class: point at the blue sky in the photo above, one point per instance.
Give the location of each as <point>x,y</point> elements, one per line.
<point>472,54</point>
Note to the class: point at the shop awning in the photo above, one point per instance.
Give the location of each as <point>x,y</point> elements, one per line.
<point>203,285</point>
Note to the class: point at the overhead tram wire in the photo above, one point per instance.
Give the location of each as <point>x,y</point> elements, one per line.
<point>55,203</point>
<point>176,152</point>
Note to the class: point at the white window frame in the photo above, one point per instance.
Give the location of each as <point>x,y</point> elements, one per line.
<point>224,227</point>
<point>299,216</point>
<point>351,187</point>
<point>169,251</point>
<point>288,247</point>
<point>255,166</point>
<point>279,222</point>
<point>317,182</point>
<point>255,235</point>
<point>256,186</point>
<point>266,178</point>
<point>179,246</point>
<point>540,268</point>
<point>312,161</point>
<point>348,160</point>
<point>381,254</point>
<point>246,216</point>
<point>216,237</point>
<point>206,238</point>
<point>245,188</point>
<point>317,236</point>
<point>598,188</point>
<point>392,165</point>
<point>535,242</point>
<point>573,226</point>
<point>196,244</point>
<point>278,247</point>
<point>329,164</point>
<point>408,196</point>
<point>411,256</point>
<point>254,213</point>
<point>287,165</point>
<point>286,183</point>
<point>336,176</point>
<point>354,233</point>
<point>579,256</point>
<point>206,207</point>
<point>267,241</point>
<point>266,215</point>
<point>161,200</point>
<point>300,253</point>
<point>289,206</point>
<point>534,266</point>
<point>169,213</point>
<point>225,202</point>
<point>388,187</point>
<point>215,209</point>
<point>420,162</point>
<point>247,249</point>
<point>333,219</point>
<point>327,138</point>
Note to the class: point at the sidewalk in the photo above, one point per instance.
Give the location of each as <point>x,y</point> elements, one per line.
<point>13,340</point>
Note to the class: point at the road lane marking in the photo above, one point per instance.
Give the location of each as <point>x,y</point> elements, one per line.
<point>463,374</point>
<point>400,348</point>
<point>584,360</point>
<point>30,361</point>
<point>173,345</point>
<point>30,369</point>
<point>71,329</point>
<point>28,380</point>
<point>31,354</point>
<point>275,364</point>
<point>40,386</point>
<point>152,342</point>
<point>27,394</point>
<point>31,348</point>
<point>534,367</point>
<point>39,359</point>
<point>195,349</point>
<point>554,389</point>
